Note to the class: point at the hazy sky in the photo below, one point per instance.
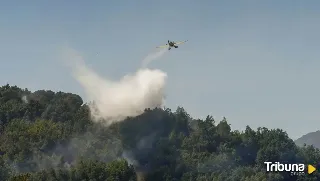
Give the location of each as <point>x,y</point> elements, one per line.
<point>254,62</point>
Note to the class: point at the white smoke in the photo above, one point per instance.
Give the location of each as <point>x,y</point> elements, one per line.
<point>116,100</point>
<point>24,99</point>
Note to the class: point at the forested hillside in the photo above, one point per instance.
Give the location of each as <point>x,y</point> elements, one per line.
<point>312,138</point>
<point>47,135</point>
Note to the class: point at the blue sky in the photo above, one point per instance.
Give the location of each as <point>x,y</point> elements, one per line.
<point>254,62</point>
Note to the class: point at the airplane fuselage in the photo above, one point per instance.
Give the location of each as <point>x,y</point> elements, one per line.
<point>171,44</point>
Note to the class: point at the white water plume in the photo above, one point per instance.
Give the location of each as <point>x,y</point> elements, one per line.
<point>114,100</point>
<point>153,56</point>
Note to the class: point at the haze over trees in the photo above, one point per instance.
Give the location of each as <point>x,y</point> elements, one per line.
<point>46,135</point>
<point>312,138</point>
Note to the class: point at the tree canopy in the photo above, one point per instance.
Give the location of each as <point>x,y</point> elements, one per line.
<point>46,135</point>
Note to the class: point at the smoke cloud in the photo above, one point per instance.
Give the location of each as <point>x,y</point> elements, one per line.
<point>114,100</point>
<point>24,99</point>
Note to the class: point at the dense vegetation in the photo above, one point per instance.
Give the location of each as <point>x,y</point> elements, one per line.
<point>49,136</point>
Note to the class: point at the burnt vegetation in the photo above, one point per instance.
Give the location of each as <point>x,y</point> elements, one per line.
<point>49,136</point>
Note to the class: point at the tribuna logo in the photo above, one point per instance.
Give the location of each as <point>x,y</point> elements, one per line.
<point>294,169</point>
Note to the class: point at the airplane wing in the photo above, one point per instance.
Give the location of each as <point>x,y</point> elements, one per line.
<point>163,46</point>
<point>177,43</point>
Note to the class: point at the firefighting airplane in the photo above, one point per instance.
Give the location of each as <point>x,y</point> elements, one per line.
<point>171,44</point>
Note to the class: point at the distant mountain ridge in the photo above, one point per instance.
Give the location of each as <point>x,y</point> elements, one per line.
<point>312,138</point>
